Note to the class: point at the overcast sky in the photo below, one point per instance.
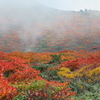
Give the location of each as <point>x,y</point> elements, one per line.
<point>75,5</point>
<point>72,4</point>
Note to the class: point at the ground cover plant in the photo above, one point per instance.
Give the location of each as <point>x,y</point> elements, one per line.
<point>63,75</point>
<point>63,30</point>
<point>48,54</point>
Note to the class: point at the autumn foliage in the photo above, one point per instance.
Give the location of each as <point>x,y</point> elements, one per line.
<point>22,80</point>
<point>17,77</point>
<point>63,30</point>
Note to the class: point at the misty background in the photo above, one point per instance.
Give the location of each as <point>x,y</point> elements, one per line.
<point>75,5</point>
<point>70,5</point>
<point>34,25</point>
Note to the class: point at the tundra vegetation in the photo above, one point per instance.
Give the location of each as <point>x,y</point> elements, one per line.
<point>64,75</point>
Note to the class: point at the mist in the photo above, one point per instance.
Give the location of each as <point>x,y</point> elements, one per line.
<point>25,18</point>
<point>36,26</point>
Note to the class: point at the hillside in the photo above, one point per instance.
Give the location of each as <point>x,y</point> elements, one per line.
<point>48,54</point>
<point>42,29</point>
<point>64,75</point>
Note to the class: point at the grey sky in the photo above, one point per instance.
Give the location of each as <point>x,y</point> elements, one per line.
<point>59,4</point>
<point>72,4</point>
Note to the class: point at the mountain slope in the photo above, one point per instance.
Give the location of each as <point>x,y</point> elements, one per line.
<point>39,28</point>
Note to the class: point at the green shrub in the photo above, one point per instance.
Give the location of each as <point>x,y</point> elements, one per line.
<point>56,58</point>
<point>48,74</point>
<point>89,92</point>
<point>51,75</point>
<point>42,67</point>
<point>20,97</point>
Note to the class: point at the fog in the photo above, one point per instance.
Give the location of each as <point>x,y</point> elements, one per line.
<point>25,17</point>
<point>32,20</point>
<point>71,5</point>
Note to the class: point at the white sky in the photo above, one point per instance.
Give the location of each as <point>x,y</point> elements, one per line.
<point>75,5</point>
<point>72,4</point>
